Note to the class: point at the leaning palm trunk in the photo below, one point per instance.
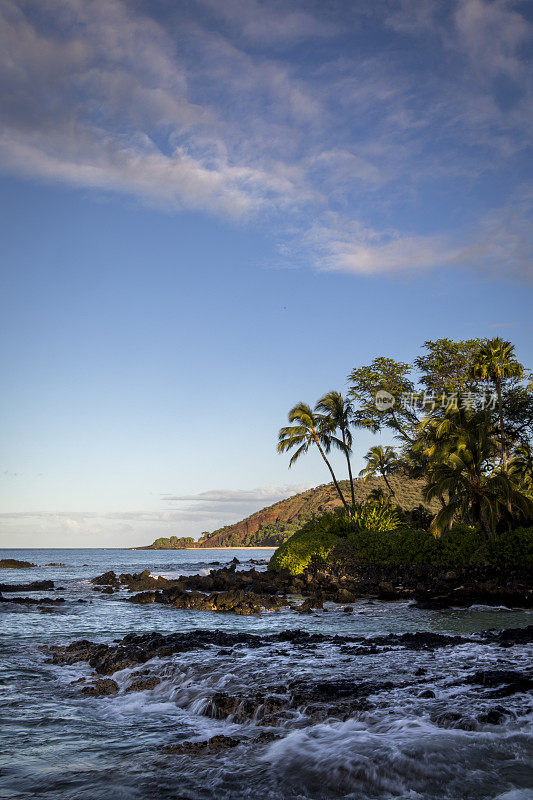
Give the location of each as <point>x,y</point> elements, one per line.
<point>338,488</point>
<point>352,491</point>
<point>389,487</point>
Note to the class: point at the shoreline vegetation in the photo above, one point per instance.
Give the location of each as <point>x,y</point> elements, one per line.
<point>220,547</point>
<point>453,491</point>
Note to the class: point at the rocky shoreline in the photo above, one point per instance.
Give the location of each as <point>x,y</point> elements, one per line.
<point>298,701</point>
<point>251,591</point>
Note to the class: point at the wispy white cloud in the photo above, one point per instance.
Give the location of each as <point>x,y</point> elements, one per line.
<point>208,510</point>
<point>273,23</point>
<point>260,494</point>
<point>501,242</point>
<point>208,110</point>
<point>492,33</point>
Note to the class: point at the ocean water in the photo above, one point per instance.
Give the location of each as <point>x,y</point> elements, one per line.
<point>57,743</point>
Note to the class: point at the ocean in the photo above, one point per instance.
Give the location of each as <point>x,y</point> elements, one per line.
<point>425,731</point>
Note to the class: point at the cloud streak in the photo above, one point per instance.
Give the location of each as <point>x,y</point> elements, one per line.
<point>210,108</point>
<point>208,510</point>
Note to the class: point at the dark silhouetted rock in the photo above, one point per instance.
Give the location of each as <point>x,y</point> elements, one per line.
<point>12,563</point>
<point>213,745</point>
<point>507,682</point>
<point>494,716</point>
<point>34,586</point>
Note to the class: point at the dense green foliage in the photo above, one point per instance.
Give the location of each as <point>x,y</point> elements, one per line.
<point>464,420</point>
<point>174,543</point>
<point>461,546</point>
<point>374,516</point>
<point>312,544</point>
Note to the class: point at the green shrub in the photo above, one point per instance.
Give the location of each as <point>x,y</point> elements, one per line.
<point>463,545</point>
<point>313,543</point>
<point>375,516</point>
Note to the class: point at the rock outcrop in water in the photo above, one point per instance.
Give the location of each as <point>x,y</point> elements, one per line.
<point>134,649</point>
<point>268,711</point>
<point>34,586</point>
<point>13,563</point>
<point>249,591</point>
<point>33,601</point>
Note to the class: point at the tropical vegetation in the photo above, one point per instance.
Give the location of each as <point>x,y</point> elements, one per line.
<point>461,419</point>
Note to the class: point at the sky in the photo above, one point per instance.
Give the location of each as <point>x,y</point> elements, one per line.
<point>211,211</point>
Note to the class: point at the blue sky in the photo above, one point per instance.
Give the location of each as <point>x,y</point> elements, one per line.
<point>213,210</point>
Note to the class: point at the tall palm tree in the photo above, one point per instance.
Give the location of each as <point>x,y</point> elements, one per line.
<point>380,461</point>
<point>462,462</point>
<point>495,362</point>
<point>311,429</point>
<point>338,416</point>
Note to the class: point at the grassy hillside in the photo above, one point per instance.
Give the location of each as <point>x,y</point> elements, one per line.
<point>273,525</point>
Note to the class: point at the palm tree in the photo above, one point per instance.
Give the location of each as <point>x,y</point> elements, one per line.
<point>338,416</point>
<point>383,461</point>
<point>496,362</point>
<point>521,468</point>
<point>462,461</point>
<point>311,429</point>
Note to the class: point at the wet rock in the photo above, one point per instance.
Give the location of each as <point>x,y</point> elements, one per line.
<point>101,687</point>
<point>55,564</point>
<point>143,684</point>
<point>259,707</point>
<point>108,590</point>
<point>34,586</point>
<point>135,649</point>
<point>13,563</point>
<point>308,606</point>
<point>453,719</point>
<point>144,598</point>
<point>427,694</point>
<point>347,609</point>
<point>510,636</point>
<point>493,716</point>
<point>508,682</point>
<point>213,745</point>
<point>344,596</point>
<point>107,579</point>
<point>32,601</point>
<point>431,587</point>
<point>327,691</point>
<point>238,602</point>
<point>387,591</point>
